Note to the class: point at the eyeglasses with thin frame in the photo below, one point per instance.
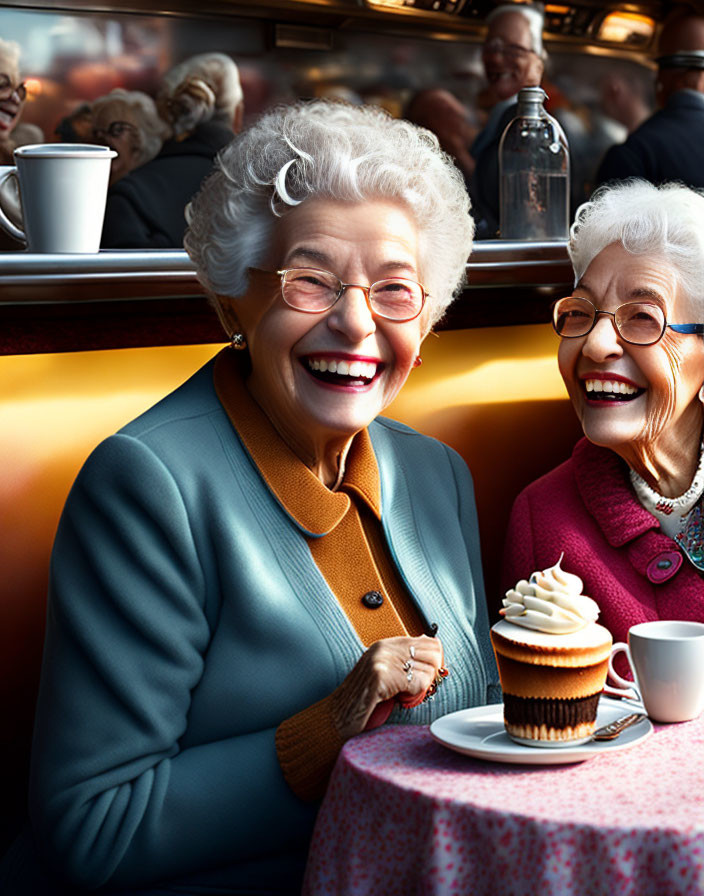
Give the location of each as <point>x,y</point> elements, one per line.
<point>114,129</point>
<point>7,88</point>
<point>314,291</point>
<point>638,323</point>
<point>511,51</point>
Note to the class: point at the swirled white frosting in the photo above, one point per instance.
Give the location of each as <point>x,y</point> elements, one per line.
<point>550,601</point>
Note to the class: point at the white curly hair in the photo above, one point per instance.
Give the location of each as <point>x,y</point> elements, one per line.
<point>336,151</point>
<point>662,222</point>
<point>665,221</point>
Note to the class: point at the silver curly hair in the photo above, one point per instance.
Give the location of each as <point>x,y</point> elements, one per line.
<point>665,221</point>
<point>335,151</point>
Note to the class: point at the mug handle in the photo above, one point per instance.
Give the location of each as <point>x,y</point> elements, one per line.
<point>628,688</point>
<point>7,173</point>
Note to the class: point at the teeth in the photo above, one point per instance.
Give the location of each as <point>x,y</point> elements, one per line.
<point>610,386</point>
<point>355,369</point>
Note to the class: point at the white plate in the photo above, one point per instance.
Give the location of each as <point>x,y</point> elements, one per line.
<point>480,732</point>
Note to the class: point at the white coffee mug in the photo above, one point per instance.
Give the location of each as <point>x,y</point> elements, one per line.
<point>667,660</point>
<point>62,191</point>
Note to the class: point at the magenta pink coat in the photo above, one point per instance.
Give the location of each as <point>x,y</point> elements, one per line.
<point>586,507</point>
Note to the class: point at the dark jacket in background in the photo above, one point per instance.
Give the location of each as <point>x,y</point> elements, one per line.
<point>484,184</point>
<point>145,208</point>
<point>667,146</point>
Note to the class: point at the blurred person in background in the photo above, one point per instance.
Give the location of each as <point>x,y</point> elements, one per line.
<point>26,133</point>
<point>13,133</point>
<point>441,112</point>
<point>201,101</point>
<point>128,122</point>
<point>624,99</point>
<point>670,144</point>
<point>77,126</point>
<point>513,58</point>
<point>13,94</point>
<point>204,89</point>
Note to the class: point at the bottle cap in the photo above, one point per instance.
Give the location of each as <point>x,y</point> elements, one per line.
<point>532,95</point>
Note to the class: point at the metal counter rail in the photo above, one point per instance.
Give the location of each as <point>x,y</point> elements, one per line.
<point>128,298</point>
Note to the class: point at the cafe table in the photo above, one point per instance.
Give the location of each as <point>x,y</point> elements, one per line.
<point>405,814</point>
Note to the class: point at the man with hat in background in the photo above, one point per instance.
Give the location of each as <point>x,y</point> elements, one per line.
<point>670,144</point>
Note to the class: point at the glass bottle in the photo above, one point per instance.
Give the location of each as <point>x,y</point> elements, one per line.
<point>534,173</point>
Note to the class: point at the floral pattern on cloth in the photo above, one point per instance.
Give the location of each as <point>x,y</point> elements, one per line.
<point>404,815</point>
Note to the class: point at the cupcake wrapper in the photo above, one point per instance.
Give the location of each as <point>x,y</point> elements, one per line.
<point>526,712</point>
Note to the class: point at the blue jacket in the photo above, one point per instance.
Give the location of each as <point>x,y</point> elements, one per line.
<point>187,619</point>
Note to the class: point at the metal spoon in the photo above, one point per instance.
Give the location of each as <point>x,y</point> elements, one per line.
<point>613,729</point>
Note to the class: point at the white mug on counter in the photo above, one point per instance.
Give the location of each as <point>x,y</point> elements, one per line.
<point>62,193</point>
<point>667,660</point>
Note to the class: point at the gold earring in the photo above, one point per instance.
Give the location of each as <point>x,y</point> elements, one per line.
<point>238,342</point>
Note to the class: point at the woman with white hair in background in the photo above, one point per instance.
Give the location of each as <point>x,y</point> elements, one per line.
<point>13,94</point>
<point>261,566</point>
<point>200,89</point>
<point>13,132</point>
<point>128,122</point>
<point>626,509</point>
<point>201,102</point>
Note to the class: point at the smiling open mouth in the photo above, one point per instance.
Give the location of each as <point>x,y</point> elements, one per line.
<point>342,373</point>
<point>610,390</point>
<point>8,114</point>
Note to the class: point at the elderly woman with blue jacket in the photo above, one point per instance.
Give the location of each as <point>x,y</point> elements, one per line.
<point>260,566</point>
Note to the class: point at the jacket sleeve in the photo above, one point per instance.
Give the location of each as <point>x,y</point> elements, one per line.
<point>117,792</point>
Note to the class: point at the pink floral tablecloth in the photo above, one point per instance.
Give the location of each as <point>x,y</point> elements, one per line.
<point>405,815</point>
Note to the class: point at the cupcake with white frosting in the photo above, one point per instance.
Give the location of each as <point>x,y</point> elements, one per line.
<point>552,657</point>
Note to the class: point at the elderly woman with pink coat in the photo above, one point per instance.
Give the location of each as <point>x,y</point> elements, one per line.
<point>626,508</point>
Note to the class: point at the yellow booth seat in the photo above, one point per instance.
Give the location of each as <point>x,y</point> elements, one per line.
<point>494,395</point>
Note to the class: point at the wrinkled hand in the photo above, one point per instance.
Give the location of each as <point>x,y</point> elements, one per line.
<point>380,675</point>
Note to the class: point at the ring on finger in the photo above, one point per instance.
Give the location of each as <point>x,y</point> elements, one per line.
<point>408,669</point>
<point>440,676</point>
